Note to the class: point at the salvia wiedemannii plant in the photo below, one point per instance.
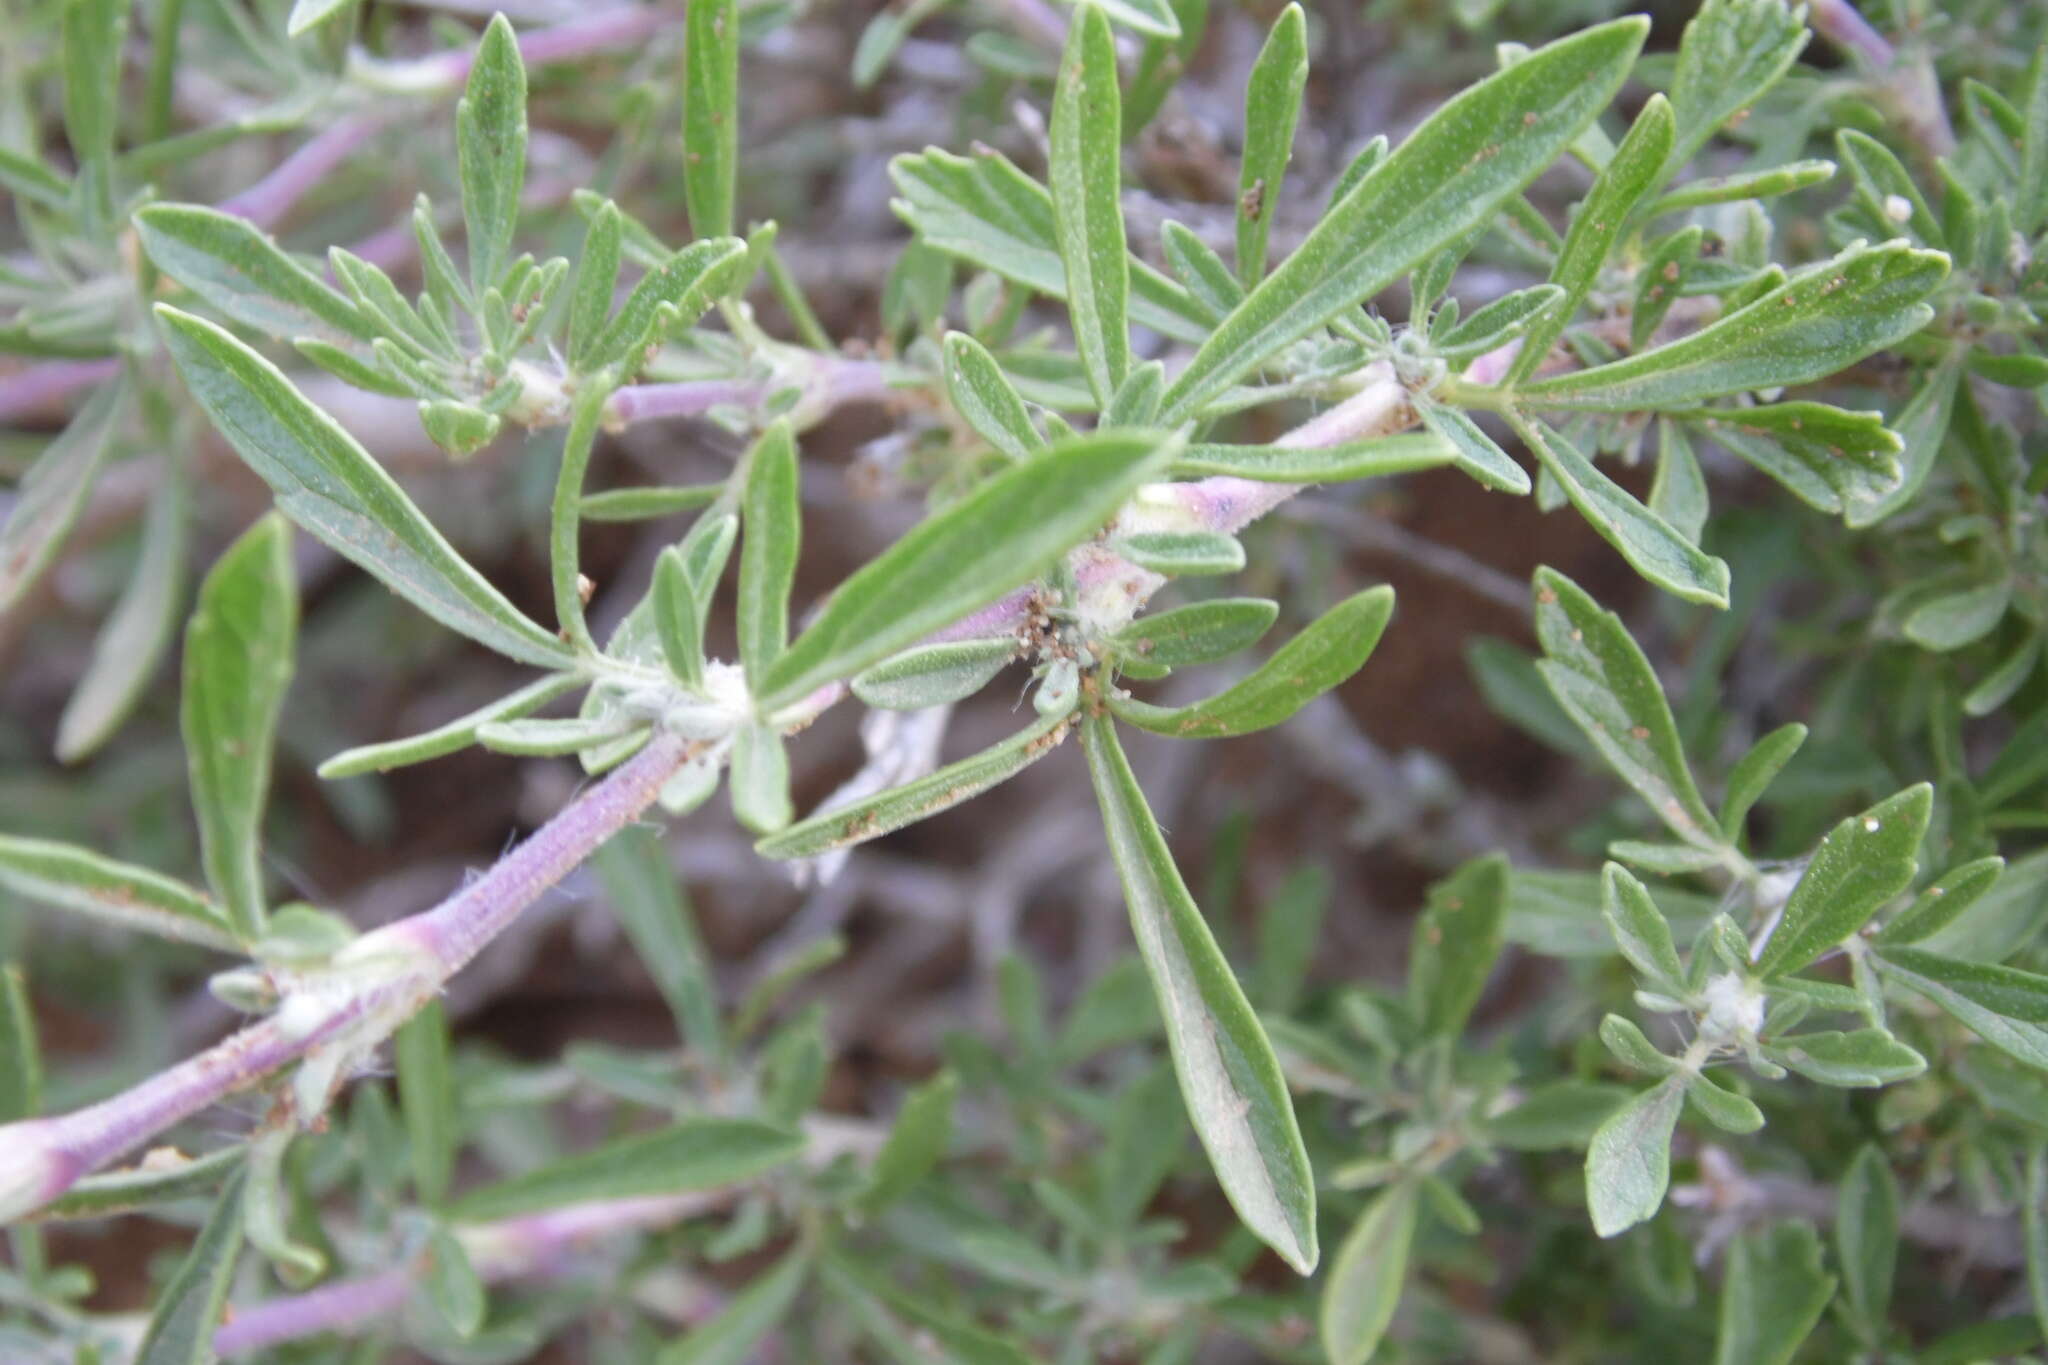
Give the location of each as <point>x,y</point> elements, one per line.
<point>1721,1030</point>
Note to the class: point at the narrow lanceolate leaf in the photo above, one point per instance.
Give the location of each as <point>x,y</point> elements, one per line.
<point>452,1285</point>
<point>1754,772</point>
<point>330,486</point>
<point>1628,1166</point>
<point>771,527</point>
<point>1370,458</point>
<point>1366,1277</point>
<point>673,293</point>
<point>1448,178</point>
<point>1774,1293</point>
<point>1154,18</point>
<point>1937,906</point>
<point>733,1334</point>
<point>935,675</point>
<point>238,661</point>
<point>1331,649</point>
<point>597,276</point>
<point>21,1083</point>
<point>1457,938</point>
<point>1867,1057</point>
<point>1725,189</point>
<point>236,267</point>
<point>1085,173</point>
<point>426,1100</point>
<point>137,631</point>
<point>913,801</point>
<point>760,779</point>
<point>1651,545</point>
<point>1600,677</point>
<point>91,34</point>
<point>456,735</point>
<point>696,1154</point>
<point>986,400</point>
<point>189,1310</point>
<point>308,15</point>
<point>1731,53</point>
<point>490,139</point>
<point>1229,1077</point>
<point>1196,633</point>
<point>1472,450</point>
<point>917,1142</point>
<point>1922,427</point>
<point>1864,861</point>
<point>2007,992</point>
<point>985,211</point>
<point>1836,461</point>
<point>70,878</point>
<point>1640,930</point>
<point>999,537</point>
<point>677,624</point>
<point>49,498</point>
<point>1272,104</point>
<point>1499,322</point>
<point>711,114</point>
<point>645,895</point>
<point>1635,170</point>
<point>1817,323</point>
<point>1867,1238</point>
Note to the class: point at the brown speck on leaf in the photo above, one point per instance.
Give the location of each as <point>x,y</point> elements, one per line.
<point>1671,270</point>
<point>1253,200</point>
<point>1639,732</point>
<point>1544,596</point>
<point>586,588</point>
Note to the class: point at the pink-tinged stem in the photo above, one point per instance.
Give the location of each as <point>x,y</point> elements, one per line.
<point>1910,88</point>
<point>266,202</point>
<point>41,1158</point>
<point>515,1247</point>
<point>689,398</point>
<point>35,389</point>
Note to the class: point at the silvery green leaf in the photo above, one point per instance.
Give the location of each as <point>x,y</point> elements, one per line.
<point>1867,1238</point>
<point>1175,554</point>
<point>1866,1057</point>
<point>1726,1110</point>
<point>1366,1276</point>
<point>1447,179</point>
<point>180,1331</point>
<point>1561,1114</point>
<point>452,1286</point>
<point>1724,189</point>
<point>1197,633</point>
<point>671,294</point>
<point>239,648</point>
<point>1959,618</point>
<point>1660,282</point>
<point>21,1083</point>
<point>1773,1294</point>
<point>995,539</point>
<point>771,527</point>
<point>1326,653</point>
<point>913,801</point>
<point>551,738</point>
<point>1272,103</point>
<point>935,675</point>
<point>648,900</point>
<point>1632,1048</point>
<point>490,133</point>
<point>456,735</point>
<point>1640,930</point>
<point>1649,543</point>
<point>236,267</point>
<point>53,492</point>
<point>1754,772</point>
<point>733,1334</point>
<point>648,503</point>
<point>1235,1093</point>
<point>1678,492</point>
<point>984,210</point>
<point>426,1100</point>
<point>1862,863</point>
<point>461,429</point>
<point>759,785</point>
<point>70,878</point>
<point>1818,322</point>
<point>1731,52</point>
<point>1883,185</point>
<point>1208,280</point>
<point>985,398</point>
<point>917,1143</point>
<point>1628,1165</point>
<point>1472,450</point>
<point>1834,460</point>
<point>330,486</point>
<point>1152,17</point>
<point>1136,401</point>
<point>1456,940</point>
<point>1936,907</point>
<point>711,114</point>
<point>695,1154</point>
<point>1369,458</point>
<point>1600,677</point>
<point>1499,322</point>
<point>90,37</point>
<point>677,624</point>
<point>1084,172</point>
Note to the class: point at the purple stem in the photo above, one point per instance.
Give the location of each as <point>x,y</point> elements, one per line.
<point>690,398</point>
<point>27,392</point>
<point>340,1306</point>
<point>266,202</point>
<point>1911,88</point>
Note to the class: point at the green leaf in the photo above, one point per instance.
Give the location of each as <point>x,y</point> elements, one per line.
<point>1177,554</point>
<point>1836,461</point>
<point>1753,774</point>
<point>760,779</point>
<point>1640,931</point>
<point>1628,1166</point>
<point>1726,1110</point>
<point>597,277</point>
<point>137,631</point>
<point>456,735</point>
<point>71,878</point>
<point>1661,281</point>
<point>92,34</point>
<point>985,211</point>
<point>1959,618</point>
<point>189,1309</point>
<point>1922,427</point>
<point>986,400</point>
<point>917,1141</point>
<point>1366,1276</point>
<point>308,15</point>
<point>136,1188</point>
<point>1196,265</point>
<point>1817,323</point>
<point>669,295</point>
<point>1867,1238</point>
<point>1457,939</point>
<point>1497,323</point>
<point>1136,401</point>
<point>711,114</point>
<point>1152,17</point>
<point>913,801</point>
<point>772,529</point>
<point>935,675</point>
<point>1448,178</point>
<point>648,503</point>
<point>1862,863</point>
<point>677,624</point>
<point>1634,171</point>
<point>1600,677</point>
<point>1727,189</point>
<point>1085,171</point>
<point>1197,633</point>
<point>459,428</point>
<point>30,179</point>
<point>1730,54</point>
<point>2003,1005</point>
<point>1230,1079</point>
<point>236,267</point>
<point>1326,653</point>
<point>1882,181</point>
<point>452,1285</point>
<point>1473,451</point>
<point>21,1082</point>
<point>1272,104</point>
<point>1867,1057</point>
<point>329,485</point>
<point>426,1099</point>
<point>1649,543</point>
<point>1562,1114</point>
<point>1774,1293</point>
<point>998,537</point>
<point>695,1154</point>
<point>732,1336</point>
<point>50,496</point>
<point>1936,907</point>
<point>648,900</point>
<point>238,662</point>
<point>1371,458</point>
<point>490,140</point>
<point>1678,492</point>
<point>1632,1048</point>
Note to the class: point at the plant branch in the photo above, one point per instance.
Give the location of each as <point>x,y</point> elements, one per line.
<point>1907,83</point>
